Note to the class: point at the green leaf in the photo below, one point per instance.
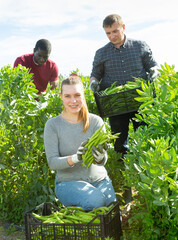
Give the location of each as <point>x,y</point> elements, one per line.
<point>145,179</point>
<point>137,168</point>
<point>146,104</point>
<point>172,182</point>
<point>168,67</point>
<point>142,163</point>
<point>164,92</point>
<point>2,166</point>
<point>141,93</point>
<point>159,203</point>
<point>156,171</point>
<point>138,116</point>
<point>144,186</point>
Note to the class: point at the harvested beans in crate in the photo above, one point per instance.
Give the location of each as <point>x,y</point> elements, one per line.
<point>117,103</point>
<point>107,225</point>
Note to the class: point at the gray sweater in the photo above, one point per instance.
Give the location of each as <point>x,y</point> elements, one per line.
<point>62,139</point>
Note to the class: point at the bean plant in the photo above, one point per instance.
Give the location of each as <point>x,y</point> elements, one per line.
<point>152,162</point>
<point>24,175</point>
<point>25,178</point>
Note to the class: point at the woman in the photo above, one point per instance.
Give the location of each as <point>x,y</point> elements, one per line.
<point>65,137</point>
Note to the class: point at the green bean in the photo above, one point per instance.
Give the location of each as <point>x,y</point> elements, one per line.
<point>72,215</point>
<point>99,137</point>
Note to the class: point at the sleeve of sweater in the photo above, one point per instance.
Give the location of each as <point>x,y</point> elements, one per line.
<point>55,162</point>
<point>18,61</point>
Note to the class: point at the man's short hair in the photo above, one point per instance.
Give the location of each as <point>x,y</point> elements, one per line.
<point>112,18</point>
<point>44,45</point>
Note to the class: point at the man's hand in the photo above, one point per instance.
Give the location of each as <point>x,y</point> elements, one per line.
<point>154,73</point>
<point>54,84</point>
<point>81,151</point>
<point>94,85</point>
<point>99,154</point>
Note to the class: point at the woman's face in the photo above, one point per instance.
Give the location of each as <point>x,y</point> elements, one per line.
<point>72,97</point>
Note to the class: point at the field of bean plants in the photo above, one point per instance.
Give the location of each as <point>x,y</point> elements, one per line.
<point>151,165</point>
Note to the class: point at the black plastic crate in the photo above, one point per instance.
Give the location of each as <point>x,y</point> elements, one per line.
<point>118,103</point>
<point>109,226</point>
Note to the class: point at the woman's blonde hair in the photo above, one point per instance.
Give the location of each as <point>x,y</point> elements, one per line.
<point>74,79</point>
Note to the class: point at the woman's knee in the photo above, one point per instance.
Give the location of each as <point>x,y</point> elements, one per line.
<point>92,201</point>
<point>80,194</point>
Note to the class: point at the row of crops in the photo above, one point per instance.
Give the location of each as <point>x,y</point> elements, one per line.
<point>151,164</point>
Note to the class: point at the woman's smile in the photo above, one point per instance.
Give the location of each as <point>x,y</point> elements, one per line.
<point>73,106</point>
<point>72,96</point>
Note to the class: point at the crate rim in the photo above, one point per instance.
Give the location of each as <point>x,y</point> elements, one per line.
<point>58,207</point>
<point>128,90</point>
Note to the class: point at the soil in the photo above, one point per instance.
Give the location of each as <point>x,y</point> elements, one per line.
<point>10,232</point>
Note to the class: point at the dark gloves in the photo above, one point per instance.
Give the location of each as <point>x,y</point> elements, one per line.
<point>99,154</point>
<point>94,86</point>
<point>81,151</point>
<point>154,73</point>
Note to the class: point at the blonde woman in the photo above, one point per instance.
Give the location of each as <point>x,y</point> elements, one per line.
<point>65,137</point>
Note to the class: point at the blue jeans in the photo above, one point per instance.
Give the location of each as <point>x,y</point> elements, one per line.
<point>85,195</point>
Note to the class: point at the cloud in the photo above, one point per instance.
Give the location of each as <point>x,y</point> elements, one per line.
<point>162,38</point>
<point>40,13</point>
<point>74,28</point>
<point>78,53</point>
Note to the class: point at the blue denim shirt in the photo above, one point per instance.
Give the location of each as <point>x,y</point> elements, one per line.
<point>133,59</point>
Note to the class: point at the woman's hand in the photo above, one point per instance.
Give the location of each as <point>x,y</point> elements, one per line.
<point>99,154</point>
<point>81,151</point>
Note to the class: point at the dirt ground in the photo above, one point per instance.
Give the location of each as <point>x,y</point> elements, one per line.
<point>9,232</point>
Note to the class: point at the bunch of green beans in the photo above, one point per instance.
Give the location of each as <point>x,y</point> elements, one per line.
<point>120,99</point>
<point>99,137</point>
<point>129,85</point>
<point>73,215</point>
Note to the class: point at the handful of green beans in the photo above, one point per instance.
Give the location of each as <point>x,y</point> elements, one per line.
<point>99,137</point>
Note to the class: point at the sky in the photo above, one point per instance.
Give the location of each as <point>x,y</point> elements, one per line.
<point>74,28</point>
